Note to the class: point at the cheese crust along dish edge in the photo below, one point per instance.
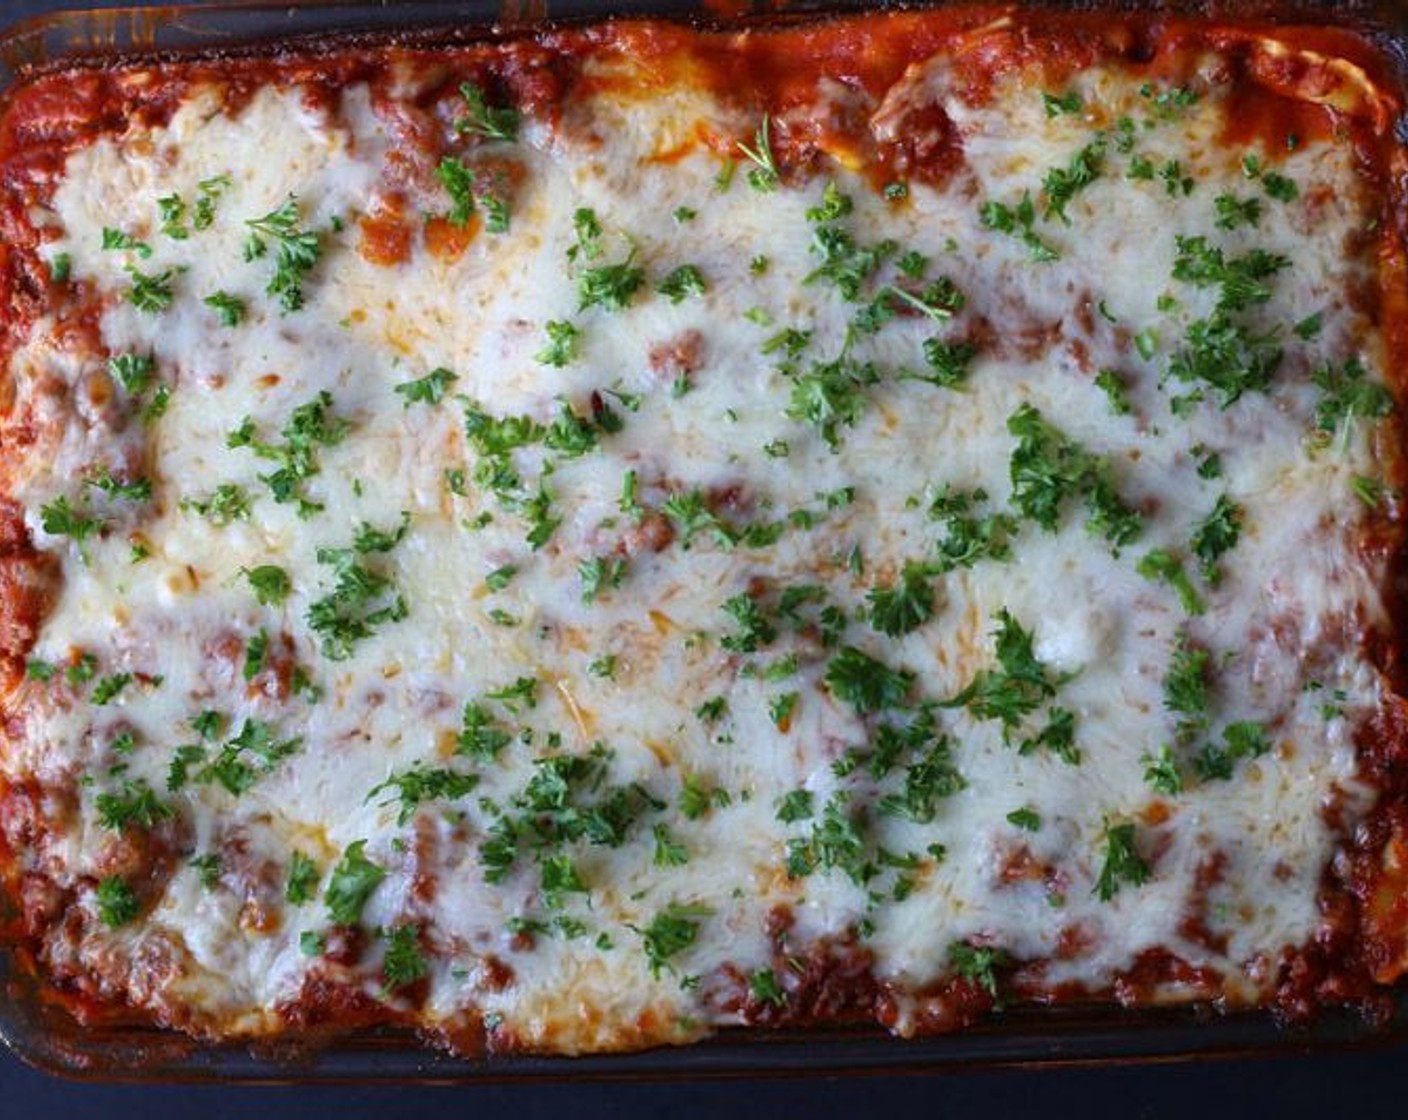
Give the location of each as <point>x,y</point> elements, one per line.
<point>574,542</point>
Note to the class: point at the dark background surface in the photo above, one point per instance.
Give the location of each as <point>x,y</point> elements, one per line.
<point>1372,1082</point>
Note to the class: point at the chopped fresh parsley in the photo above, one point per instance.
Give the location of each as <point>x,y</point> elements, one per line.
<point>1348,395</point>
<point>270,584</point>
<point>150,293</point>
<point>81,671</point>
<point>1233,211</point>
<point>835,843</point>
<point>497,214</point>
<point>429,389</point>
<point>1025,818</point>
<point>1017,221</point>
<point>500,577</point>
<point>1048,468</point>
<point>905,606</point>
<point>610,286</point>
<point>109,688</point>
<point>1216,535</point>
<point>116,901</point>
<point>1209,462</point>
<point>404,961</point>
<point>969,537</point>
<point>763,175</point>
<point>458,181</point>
<point>1168,104</point>
<point>1162,566</point>
<point>252,754</point>
<point>353,880</point>
<point>61,518</point>
<point>834,205</point>
<point>1109,382</point>
<point>1062,184</point>
<point>228,502</point>
<point>1279,187</point>
<point>297,254</point>
<point>573,435</point>
<point>1068,103</point>
<point>1217,762</point>
<point>781,709</point>
<point>1123,863</point>
<point>115,239</point>
<point>1186,687</point>
<point>230,309</point>
<point>696,799</point>
<point>135,804</point>
<point>1175,182</point>
<point>691,514</point>
<point>173,211</point>
<point>670,933</point>
<point>37,670</point>
<point>713,709</point>
<point>867,685</point>
<point>1370,491</point>
<point>1162,773</point>
<point>686,280</point>
<point>562,344</point>
<point>311,425</point>
<point>948,362</point>
<point>134,372</point>
<point>207,868</point>
<point>599,573</point>
<point>979,963</point>
<point>137,490</point>
<point>845,264</point>
<point>361,599</point>
<point>669,852</point>
<point>486,121</point>
<point>930,775</point>
<point>830,395</point>
<point>763,987</point>
<point>1240,281</point>
<point>754,628</point>
<point>1310,327</point>
<point>171,208</point>
<point>1227,357</point>
<point>796,805</point>
<point>413,787</point>
<point>302,881</point>
<point>1020,685</point>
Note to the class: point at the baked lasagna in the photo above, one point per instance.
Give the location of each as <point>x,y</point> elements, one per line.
<point>571,541</point>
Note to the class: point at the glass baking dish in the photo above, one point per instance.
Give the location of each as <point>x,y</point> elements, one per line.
<point>41,1031</point>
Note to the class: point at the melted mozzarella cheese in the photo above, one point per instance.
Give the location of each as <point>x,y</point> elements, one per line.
<point>701,394</point>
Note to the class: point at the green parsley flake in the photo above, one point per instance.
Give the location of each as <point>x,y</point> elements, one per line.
<point>763,176</point>
<point>488,122</point>
<point>1123,863</point>
<point>116,901</point>
<point>297,251</point>
<point>429,389</point>
<point>353,880</point>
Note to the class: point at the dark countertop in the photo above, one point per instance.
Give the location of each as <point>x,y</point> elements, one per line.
<point>1372,1082</point>
<point>1336,1085</point>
